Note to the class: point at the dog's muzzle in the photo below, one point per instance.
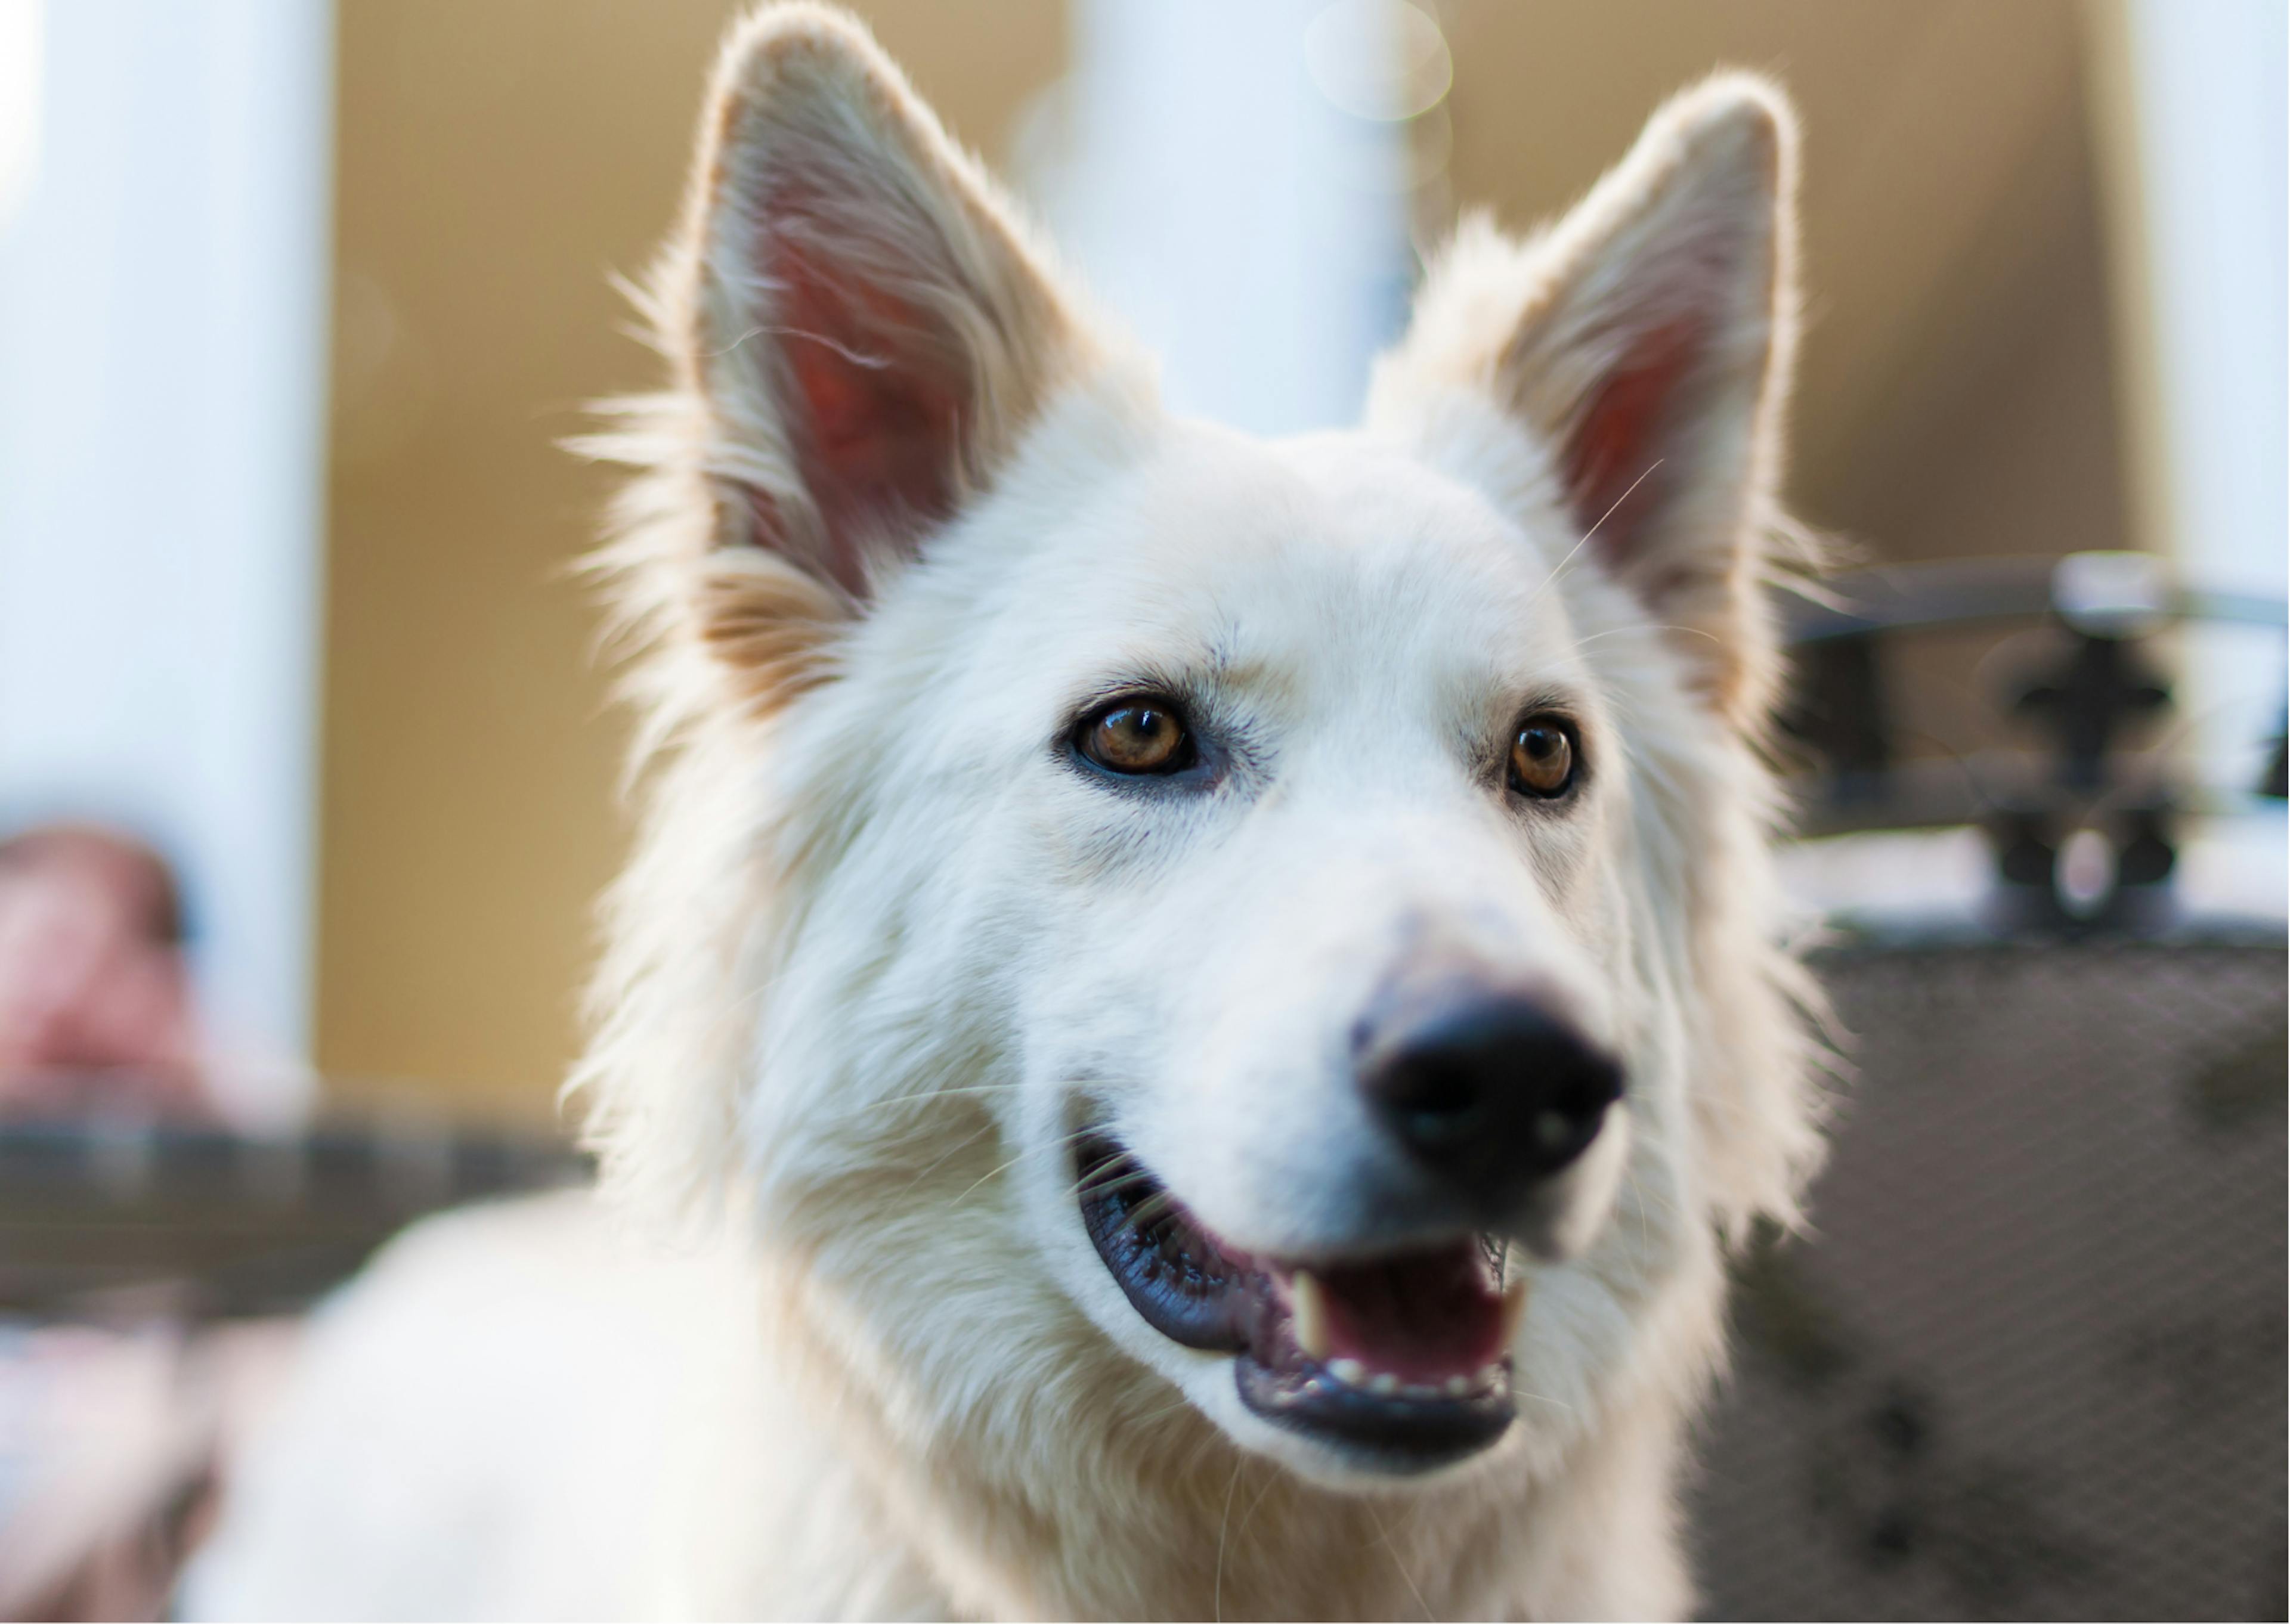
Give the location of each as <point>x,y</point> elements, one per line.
<point>1399,1358</point>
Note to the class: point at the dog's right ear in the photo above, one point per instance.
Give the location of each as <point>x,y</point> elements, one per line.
<point>1644,344</point>
<point>853,312</point>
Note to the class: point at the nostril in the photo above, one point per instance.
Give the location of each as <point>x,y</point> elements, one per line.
<point>1488,1091</point>
<point>1433,1100</point>
<point>1553,1129</point>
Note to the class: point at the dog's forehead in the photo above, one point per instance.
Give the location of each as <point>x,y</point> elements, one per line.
<point>1331,552</point>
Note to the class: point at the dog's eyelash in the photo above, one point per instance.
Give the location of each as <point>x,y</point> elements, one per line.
<point>1160,687</point>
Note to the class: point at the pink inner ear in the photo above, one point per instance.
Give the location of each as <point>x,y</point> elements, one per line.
<point>1625,432</point>
<point>875,423</point>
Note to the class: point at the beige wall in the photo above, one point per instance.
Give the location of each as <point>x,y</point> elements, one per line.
<point>1957,392</point>
<point>498,160</point>
<point>1954,384</point>
<point>496,163</point>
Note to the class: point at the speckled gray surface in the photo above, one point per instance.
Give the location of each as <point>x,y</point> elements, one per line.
<point>2032,1365</point>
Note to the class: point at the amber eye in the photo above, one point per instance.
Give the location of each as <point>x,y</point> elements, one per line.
<point>1542,758</point>
<point>1137,737</point>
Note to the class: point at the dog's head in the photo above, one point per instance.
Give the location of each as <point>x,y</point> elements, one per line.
<point>1292,914</point>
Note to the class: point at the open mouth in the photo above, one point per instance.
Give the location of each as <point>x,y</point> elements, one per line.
<point>1402,1360</point>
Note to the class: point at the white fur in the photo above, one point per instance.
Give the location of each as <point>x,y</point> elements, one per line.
<point>881,943</point>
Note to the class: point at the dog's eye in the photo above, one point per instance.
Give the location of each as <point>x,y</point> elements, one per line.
<point>1136,737</point>
<point>1542,758</point>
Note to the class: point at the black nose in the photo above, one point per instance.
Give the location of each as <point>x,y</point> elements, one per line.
<point>1487,1091</point>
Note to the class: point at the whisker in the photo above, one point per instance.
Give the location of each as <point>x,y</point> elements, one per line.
<point>1147,1212</point>
<point>1616,631</point>
<point>869,1107</point>
<point>1560,568</point>
<point>1063,1141</point>
<point>994,1172</point>
<point>1154,1415</point>
<point>1385,1535</point>
<point>1517,1391</point>
<point>952,1151</point>
<point>1088,1192</point>
<point>1249,1516</point>
<point>1153,1207</point>
<point>1239,1467</point>
<point>1113,1177</point>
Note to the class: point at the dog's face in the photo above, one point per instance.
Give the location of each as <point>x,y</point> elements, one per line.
<point>1285,862</point>
<point>1327,996</point>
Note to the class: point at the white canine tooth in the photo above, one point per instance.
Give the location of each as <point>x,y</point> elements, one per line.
<point>1383,1382</point>
<point>1308,1306</point>
<point>1514,1309</point>
<point>1352,1373</point>
<point>1490,1376</point>
<point>1460,1387</point>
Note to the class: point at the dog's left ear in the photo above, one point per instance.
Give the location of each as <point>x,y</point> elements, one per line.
<point>1644,343</point>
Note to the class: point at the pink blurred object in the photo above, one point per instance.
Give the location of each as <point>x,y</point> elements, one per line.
<point>112,1444</point>
<point>95,1003</point>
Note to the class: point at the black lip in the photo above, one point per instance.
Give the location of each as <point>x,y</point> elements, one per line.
<point>1179,1281</point>
<point>1391,1434</point>
<point>1192,1291</point>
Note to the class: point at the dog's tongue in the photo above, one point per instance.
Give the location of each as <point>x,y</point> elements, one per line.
<point>1422,1318</point>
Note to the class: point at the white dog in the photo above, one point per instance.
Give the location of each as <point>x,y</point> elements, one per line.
<point>1225,994</point>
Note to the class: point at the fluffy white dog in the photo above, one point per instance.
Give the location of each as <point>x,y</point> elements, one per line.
<point>1212,1007</point>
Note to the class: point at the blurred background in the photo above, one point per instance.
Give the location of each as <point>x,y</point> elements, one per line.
<point>309,776</point>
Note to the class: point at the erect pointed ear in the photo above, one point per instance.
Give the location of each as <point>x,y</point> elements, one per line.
<point>1645,343</point>
<point>858,314</point>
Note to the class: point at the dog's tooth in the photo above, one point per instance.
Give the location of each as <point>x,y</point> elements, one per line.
<point>1383,1382</point>
<point>1308,1306</point>
<point>1514,1309</point>
<point>1352,1373</point>
<point>1460,1387</point>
